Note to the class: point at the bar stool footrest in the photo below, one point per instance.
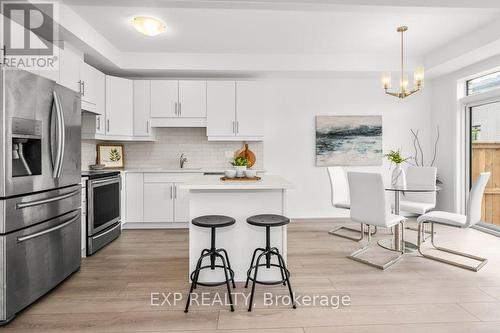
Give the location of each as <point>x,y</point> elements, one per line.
<point>268,283</point>
<point>212,284</point>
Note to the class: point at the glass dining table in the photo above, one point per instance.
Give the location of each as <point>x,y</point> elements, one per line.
<point>394,244</point>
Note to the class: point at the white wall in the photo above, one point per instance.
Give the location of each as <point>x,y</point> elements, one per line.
<point>446,113</point>
<point>289,148</point>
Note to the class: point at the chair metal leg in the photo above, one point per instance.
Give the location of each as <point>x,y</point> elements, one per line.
<point>227,280</point>
<point>195,280</point>
<point>228,263</point>
<point>281,262</point>
<point>356,239</point>
<point>355,254</point>
<point>254,279</point>
<point>201,256</point>
<point>251,264</point>
<point>423,232</point>
<point>482,261</point>
<point>275,249</point>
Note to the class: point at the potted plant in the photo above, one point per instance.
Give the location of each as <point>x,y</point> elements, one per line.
<point>240,165</point>
<point>398,174</point>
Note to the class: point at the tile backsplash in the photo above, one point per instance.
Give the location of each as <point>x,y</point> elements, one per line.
<point>170,144</point>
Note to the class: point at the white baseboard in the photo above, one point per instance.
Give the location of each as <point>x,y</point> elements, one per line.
<point>155,225</point>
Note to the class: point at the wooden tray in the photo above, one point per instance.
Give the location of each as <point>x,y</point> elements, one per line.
<point>241,179</point>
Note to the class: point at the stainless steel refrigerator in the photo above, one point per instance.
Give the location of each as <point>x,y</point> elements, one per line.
<point>40,227</point>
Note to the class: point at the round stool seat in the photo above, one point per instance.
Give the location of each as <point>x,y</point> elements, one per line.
<point>213,221</point>
<point>268,220</point>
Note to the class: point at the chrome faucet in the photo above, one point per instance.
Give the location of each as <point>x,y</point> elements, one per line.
<point>182,160</point>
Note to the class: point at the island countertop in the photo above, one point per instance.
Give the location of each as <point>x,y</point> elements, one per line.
<point>267,182</point>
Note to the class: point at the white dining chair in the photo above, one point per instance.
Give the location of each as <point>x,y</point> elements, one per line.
<point>419,203</point>
<point>472,217</point>
<point>340,199</point>
<point>369,206</point>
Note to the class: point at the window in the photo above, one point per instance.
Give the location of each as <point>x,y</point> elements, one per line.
<point>483,83</point>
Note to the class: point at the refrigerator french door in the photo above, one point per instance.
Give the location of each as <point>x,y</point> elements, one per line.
<point>40,134</point>
<point>40,194</point>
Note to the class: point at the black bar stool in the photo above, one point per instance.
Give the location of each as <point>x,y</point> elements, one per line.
<point>268,221</point>
<point>213,222</point>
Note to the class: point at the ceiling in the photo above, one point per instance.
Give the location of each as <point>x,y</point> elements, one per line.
<point>256,30</point>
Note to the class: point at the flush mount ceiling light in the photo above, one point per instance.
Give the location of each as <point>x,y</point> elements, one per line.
<point>147,25</point>
<point>418,76</point>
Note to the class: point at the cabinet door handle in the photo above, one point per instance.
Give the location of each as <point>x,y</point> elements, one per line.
<point>83,88</point>
<point>98,123</point>
<point>175,108</point>
<point>147,126</point>
<point>180,108</point>
<point>175,191</point>
<point>234,128</point>
<point>107,125</point>
<point>237,127</point>
<point>171,192</point>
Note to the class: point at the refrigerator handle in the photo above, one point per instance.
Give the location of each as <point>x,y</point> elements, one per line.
<point>46,231</point>
<point>22,205</point>
<point>63,140</point>
<point>59,136</point>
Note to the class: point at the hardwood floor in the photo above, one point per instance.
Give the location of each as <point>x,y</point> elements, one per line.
<point>112,290</point>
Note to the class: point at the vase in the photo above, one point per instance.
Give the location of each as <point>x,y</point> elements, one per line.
<point>240,171</point>
<point>398,176</point>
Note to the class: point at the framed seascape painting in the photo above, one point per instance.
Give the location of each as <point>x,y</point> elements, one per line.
<point>111,156</point>
<point>348,140</point>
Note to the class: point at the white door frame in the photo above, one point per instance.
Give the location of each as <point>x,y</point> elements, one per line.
<point>466,103</point>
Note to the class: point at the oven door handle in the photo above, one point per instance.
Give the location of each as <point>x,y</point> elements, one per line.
<point>107,231</point>
<point>49,230</point>
<point>105,181</point>
<point>22,205</point>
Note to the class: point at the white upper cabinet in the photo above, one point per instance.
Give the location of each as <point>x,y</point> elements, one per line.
<point>70,66</point>
<point>178,103</point>
<point>221,108</point>
<point>164,98</point>
<point>235,111</point>
<point>192,99</point>
<point>249,109</point>
<point>142,107</point>
<point>92,85</point>
<point>119,106</point>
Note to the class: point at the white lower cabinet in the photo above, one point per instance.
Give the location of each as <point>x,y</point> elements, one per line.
<point>156,200</point>
<point>134,196</point>
<point>181,206</point>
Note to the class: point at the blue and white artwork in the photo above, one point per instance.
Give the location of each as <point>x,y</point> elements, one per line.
<point>348,140</point>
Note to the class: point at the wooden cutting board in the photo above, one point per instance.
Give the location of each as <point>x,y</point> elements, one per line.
<point>244,152</point>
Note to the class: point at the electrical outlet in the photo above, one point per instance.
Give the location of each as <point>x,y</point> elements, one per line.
<point>228,154</point>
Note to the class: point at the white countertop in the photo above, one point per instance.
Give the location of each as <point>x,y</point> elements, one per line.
<point>183,170</point>
<point>268,182</point>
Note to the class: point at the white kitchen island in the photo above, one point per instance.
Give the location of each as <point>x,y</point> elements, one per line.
<point>208,195</point>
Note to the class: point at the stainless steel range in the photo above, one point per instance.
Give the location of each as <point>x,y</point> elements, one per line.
<point>39,188</point>
<point>103,207</point>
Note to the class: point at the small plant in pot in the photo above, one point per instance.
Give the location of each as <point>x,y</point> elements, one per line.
<point>398,174</point>
<point>240,165</point>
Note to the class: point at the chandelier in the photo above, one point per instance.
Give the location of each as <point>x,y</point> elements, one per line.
<point>418,76</point>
